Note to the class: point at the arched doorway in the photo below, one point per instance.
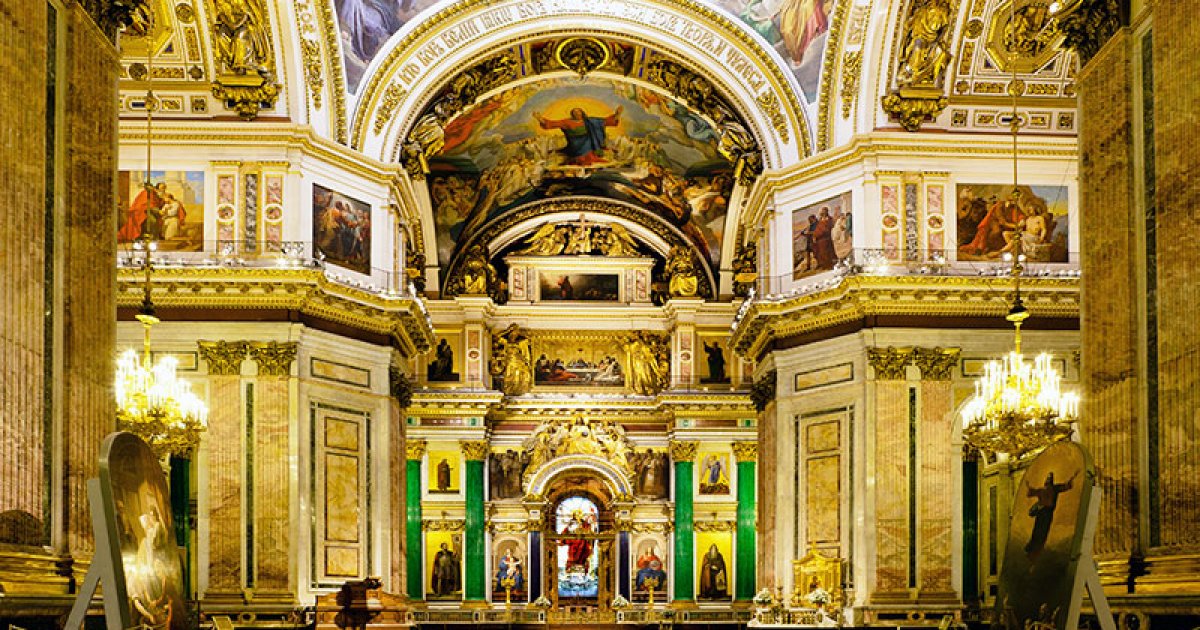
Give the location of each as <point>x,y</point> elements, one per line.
<point>580,565</point>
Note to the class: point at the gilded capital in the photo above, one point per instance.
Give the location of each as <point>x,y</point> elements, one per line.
<point>401,386</point>
<point>274,358</point>
<point>763,392</point>
<point>683,451</point>
<point>414,449</point>
<point>745,451</point>
<point>936,364</point>
<point>889,363</point>
<point>224,357</point>
<point>475,450</point>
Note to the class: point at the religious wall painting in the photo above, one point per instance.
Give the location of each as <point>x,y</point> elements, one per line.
<point>169,209</point>
<point>443,553</point>
<point>577,556</point>
<point>566,361</point>
<point>506,470</point>
<point>989,214</point>
<point>365,25</point>
<point>650,570</point>
<point>593,137</point>
<point>581,287</point>
<point>714,568</point>
<point>1045,536</point>
<point>715,362</point>
<point>650,473</point>
<point>444,363</point>
<point>341,229</point>
<point>796,29</point>
<point>141,506</point>
<point>714,473</point>
<point>508,577</point>
<point>444,468</point>
<point>822,235</point>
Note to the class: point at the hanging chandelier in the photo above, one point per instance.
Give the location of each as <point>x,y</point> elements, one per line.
<point>1018,406</point>
<point>152,401</point>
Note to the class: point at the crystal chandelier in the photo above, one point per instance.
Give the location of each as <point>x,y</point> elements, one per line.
<point>152,402</point>
<point>1018,406</point>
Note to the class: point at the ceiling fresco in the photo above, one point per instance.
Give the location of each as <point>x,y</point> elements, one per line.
<point>797,29</point>
<point>571,137</point>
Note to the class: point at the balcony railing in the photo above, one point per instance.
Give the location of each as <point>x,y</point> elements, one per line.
<point>235,254</point>
<point>885,263</point>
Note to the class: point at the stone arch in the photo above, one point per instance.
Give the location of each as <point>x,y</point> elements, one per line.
<point>614,479</point>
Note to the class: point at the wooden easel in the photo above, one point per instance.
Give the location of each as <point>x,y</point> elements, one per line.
<point>1086,574</point>
<point>105,564</point>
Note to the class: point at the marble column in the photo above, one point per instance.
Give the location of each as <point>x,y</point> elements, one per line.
<point>744,573</point>
<point>414,452</point>
<point>684,455</point>
<point>762,394</point>
<point>271,470</point>
<point>224,483</point>
<point>400,388</point>
<point>938,457</point>
<point>891,474</point>
<point>475,584</point>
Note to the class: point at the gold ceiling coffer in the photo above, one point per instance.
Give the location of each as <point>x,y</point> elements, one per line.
<point>245,59</point>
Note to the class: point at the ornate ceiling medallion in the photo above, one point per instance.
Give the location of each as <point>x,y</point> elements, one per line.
<point>1022,38</point>
<point>582,55</point>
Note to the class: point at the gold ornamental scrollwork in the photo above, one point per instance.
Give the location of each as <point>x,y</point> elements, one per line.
<point>224,357</point>
<point>507,528</point>
<point>414,450</point>
<point>474,450</point>
<point>445,525</point>
<point>582,55</point>
<point>890,364</point>
<point>924,58</point>
<point>683,451</point>
<point>763,391</point>
<point>745,451</point>
<point>314,75</point>
<point>651,527</point>
<point>714,526</point>
<point>851,70</point>
<point>245,59</point>
<point>936,364</point>
<point>274,358</point>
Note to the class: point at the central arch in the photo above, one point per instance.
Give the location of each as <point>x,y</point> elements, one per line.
<point>615,480</point>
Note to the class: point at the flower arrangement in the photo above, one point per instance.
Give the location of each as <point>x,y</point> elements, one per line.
<point>763,598</point>
<point>542,602</point>
<point>818,597</point>
<point>620,602</point>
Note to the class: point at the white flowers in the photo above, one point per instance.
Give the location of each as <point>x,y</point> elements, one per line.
<point>818,596</point>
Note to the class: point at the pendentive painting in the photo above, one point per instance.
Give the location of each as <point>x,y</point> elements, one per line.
<point>822,235</point>
<point>578,362</point>
<point>1045,536</point>
<point>570,137</point>
<point>582,287</point>
<point>167,209</point>
<point>797,29</point>
<point>145,532</point>
<point>341,229</point>
<point>989,215</point>
<point>365,25</point>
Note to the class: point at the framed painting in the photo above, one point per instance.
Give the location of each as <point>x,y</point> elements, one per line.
<point>989,214</point>
<point>580,287</point>
<point>822,235</point>
<point>168,209</point>
<point>341,229</point>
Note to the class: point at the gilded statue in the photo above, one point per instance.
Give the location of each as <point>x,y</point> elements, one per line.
<point>579,241</point>
<point>927,43</point>
<point>242,37</point>
<point>745,269</point>
<point>562,437</point>
<point>617,242</point>
<point>682,272</point>
<point>414,269</point>
<point>549,240</point>
<point>512,362</point>
<point>479,276</point>
<point>649,364</point>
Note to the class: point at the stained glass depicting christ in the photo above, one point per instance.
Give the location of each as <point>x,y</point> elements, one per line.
<point>578,558</point>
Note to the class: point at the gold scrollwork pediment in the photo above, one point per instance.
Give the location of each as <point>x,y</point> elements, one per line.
<point>446,525</point>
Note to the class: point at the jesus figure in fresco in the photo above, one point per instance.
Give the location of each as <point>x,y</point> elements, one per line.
<point>585,134</point>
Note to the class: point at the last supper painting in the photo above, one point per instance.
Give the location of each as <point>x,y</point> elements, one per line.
<point>569,137</point>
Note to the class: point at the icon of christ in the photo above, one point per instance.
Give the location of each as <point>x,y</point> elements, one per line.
<point>579,550</point>
<point>585,134</point>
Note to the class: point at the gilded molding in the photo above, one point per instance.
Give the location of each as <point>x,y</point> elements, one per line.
<point>745,451</point>
<point>851,71</point>
<point>833,46</point>
<point>936,364</point>
<point>444,525</point>
<point>414,449</point>
<point>683,451</point>
<point>330,30</point>
<point>714,526</point>
<point>274,358</point>
<point>310,52</point>
<point>651,527</point>
<point>890,364</point>
<point>507,527</point>
<point>224,357</point>
<point>474,450</point>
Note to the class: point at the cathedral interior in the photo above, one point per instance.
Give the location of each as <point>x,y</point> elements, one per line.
<point>532,313</point>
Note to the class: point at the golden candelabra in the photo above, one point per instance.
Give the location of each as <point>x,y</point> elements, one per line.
<point>508,584</point>
<point>651,583</point>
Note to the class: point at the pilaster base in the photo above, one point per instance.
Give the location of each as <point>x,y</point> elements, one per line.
<point>1170,574</point>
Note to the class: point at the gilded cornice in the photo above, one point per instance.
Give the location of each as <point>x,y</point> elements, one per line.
<point>224,358</point>
<point>857,297</point>
<point>445,525</point>
<point>274,358</point>
<point>305,290</point>
<point>714,526</point>
<point>424,32</point>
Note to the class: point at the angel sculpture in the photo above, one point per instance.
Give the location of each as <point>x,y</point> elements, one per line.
<point>549,240</point>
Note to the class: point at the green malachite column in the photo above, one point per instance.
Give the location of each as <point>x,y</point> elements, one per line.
<point>744,572</point>
<point>475,585</point>
<point>413,568</point>
<point>684,454</point>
